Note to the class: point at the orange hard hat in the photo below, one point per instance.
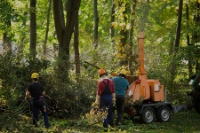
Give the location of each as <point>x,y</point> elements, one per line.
<point>102,71</point>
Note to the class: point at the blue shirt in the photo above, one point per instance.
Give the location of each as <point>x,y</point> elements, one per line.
<point>121,85</point>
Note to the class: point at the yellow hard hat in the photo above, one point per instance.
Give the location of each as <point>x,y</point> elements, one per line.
<point>35,75</point>
<point>123,71</point>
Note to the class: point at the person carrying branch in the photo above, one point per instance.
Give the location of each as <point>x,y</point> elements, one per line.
<point>36,91</point>
<point>106,97</point>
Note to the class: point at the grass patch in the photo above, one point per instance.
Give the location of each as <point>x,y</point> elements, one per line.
<point>181,122</point>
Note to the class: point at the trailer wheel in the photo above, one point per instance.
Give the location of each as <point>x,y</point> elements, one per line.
<point>148,115</point>
<point>163,114</point>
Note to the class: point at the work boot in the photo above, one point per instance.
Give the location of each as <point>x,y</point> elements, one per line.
<point>112,129</point>
<point>105,130</point>
<point>47,126</point>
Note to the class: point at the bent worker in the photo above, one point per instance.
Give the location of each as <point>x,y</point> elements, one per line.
<point>106,97</point>
<point>121,86</point>
<point>36,90</point>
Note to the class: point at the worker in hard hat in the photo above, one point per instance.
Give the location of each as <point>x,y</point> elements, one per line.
<point>106,97</point>
<point>121,86</point>
<point>36,91</point>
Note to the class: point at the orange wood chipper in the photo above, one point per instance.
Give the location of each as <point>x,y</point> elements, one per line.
<point>150,92</point>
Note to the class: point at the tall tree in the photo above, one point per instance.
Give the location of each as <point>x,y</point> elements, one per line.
<point>112,19</point>
<point>23,33</point>
<point>96,23</point>
<point>33,28</point>
<point>6,38</point>
<point>178,30</point>
<point>47,29</point>
<point>5,18</point>
<point>188,42</point>
<point>64,31</point>
<point>173,65</point>
<point>123,31</point>
<point>122,24</point>
<point>130,52</point>
<point>76,48</point>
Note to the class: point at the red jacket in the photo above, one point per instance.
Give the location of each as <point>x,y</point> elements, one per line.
<point>101,86</point>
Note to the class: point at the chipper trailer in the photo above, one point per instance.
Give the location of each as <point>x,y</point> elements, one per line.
<point>151,92</point>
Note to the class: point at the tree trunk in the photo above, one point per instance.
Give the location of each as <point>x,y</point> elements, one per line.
<point>124,37</point>
<point>178,30</point>
<point>188,43</point>
<point>33,28</point>
<point>7,47</point>
<point>76,49</point>
<point>64,32</point>
<point>133,6</point>
<point>47,30</point>
<point>176,46</point>
<point>112,19</point>
<point>96,21</point>
<point>23,36</point>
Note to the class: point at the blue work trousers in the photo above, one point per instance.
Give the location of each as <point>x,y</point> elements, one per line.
<point>106,101</point>
<point>39,105</point>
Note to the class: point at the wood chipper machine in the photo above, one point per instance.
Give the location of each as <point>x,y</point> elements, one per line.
<point>149,93</point>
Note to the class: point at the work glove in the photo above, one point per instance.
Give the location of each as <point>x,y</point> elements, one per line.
<point>114,102</point>
<point>27,98</point>
<point>97,101</point>
<point>95,104</point>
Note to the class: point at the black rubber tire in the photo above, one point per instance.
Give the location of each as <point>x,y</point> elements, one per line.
<point>163,114</point>
<point>148,115</point>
